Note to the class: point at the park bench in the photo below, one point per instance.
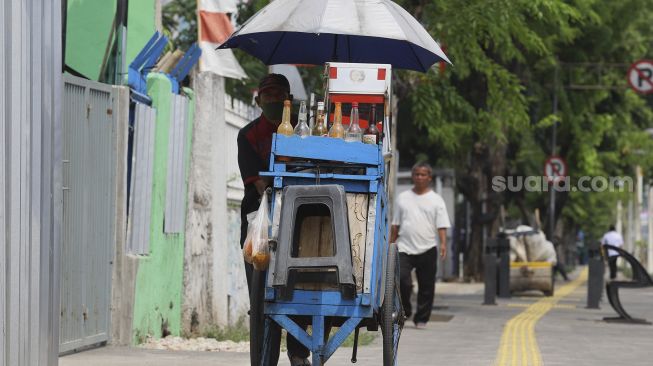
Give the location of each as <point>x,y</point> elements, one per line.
<point>640,279</point>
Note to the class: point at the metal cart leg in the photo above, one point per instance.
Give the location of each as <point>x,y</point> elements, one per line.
<point>316,342</point>
<point>318,339</point>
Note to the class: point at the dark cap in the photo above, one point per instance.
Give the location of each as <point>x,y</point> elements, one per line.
<point>272,81</point>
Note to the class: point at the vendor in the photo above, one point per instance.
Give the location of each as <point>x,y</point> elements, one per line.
<point>254,146</point>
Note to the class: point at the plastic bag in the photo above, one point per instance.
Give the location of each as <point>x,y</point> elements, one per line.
<point>257,238</point>
<point>247,248</point>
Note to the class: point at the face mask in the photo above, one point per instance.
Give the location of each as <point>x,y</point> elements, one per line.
<point>273,110</point>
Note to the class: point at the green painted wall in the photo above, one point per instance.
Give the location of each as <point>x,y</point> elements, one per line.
<point>89,26</point>
<point>160,275</point>
<point>140,26</point>
<point>87,34</point>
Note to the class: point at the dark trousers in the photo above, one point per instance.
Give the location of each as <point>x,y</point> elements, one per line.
<point>295,348</point>
<point>612,263</point>
<point>426,266</point>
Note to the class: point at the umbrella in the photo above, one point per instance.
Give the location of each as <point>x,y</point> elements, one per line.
<point>319,31</point>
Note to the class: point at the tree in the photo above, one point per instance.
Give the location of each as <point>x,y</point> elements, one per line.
<point>179,19</point>
<point>490,114</point>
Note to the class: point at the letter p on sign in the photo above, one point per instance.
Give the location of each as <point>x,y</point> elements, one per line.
<point>640,76</point>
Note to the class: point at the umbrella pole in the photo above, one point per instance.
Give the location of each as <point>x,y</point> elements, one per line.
<point>334,54</point>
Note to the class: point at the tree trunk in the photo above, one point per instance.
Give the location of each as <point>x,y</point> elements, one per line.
<point>476,186</point>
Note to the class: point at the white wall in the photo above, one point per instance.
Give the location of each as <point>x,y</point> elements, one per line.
<point>215,289</point>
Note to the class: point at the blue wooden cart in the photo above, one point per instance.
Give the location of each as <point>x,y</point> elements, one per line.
<point>331,264</point>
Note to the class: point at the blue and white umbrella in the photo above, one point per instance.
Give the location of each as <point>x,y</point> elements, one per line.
<point>319,31</point>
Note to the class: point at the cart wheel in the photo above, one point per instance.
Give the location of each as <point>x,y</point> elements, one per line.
<point>257,326</point>
<point>392,312</point>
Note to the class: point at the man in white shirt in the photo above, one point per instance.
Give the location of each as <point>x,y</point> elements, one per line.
<point>612,237</point>
<point>420,218</point>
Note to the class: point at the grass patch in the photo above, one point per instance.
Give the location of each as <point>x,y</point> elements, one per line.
<point>364,338</point>
<point>240,333</point>
<point>236,333</point>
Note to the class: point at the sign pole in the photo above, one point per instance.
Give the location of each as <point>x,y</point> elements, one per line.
<point>649,247</point>
<point>552,193</point>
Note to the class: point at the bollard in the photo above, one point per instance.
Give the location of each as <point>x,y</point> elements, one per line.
<point>503,272</point>
<point>490,273</point>
<point>595,276</point>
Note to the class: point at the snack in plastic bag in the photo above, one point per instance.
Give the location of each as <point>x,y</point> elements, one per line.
<point>247,251</point>
<point>247,248</point>
<point>258,236</point>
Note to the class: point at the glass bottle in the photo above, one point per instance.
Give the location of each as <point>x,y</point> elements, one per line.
<point>285,128</point>
<point>302,129</point>
<point>354,132</point>
<point>337,130</point>
<point>372,134</point>
<point>320,128</point>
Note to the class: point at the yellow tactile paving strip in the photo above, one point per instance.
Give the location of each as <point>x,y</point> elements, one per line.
<point>518,345</point>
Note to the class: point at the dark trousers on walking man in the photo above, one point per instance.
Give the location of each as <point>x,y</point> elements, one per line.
<point>425,266</point>
<point>612,264</point>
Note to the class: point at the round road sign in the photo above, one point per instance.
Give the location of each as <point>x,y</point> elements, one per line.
<point>640,76</point>
<point>555,168</point>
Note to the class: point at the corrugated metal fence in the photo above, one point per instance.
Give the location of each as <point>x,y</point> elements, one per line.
<point>89,210</point>
<point>176,179</point>
<point>30,181</point>
<point>140,197</point>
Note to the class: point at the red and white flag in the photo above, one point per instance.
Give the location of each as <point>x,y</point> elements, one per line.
<point>214,28</point>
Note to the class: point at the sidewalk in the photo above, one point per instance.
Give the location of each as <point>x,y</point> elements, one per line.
<point>464,332</point>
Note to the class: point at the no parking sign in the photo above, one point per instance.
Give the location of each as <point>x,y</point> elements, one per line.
<point>640,76</point>
<point>555,169</point>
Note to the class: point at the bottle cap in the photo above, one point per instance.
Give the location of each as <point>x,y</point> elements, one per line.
<point>320,106</point>
<point>354,104</point>
<point>286,103</point>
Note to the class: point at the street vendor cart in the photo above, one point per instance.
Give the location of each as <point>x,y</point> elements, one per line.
<point>331,264</point>
<point>330,261</point>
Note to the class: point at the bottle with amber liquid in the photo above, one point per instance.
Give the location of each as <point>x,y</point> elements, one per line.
<point>285,128</point>
<point>372,134</point>
<point>320,128</point>
<point>337,130</point>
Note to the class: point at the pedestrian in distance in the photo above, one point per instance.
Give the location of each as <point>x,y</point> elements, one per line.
<point>612,237</point>
<point>254,148</point>
<point>420,219</point>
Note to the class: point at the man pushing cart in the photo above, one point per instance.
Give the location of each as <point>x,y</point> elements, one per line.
<point>328,261</point>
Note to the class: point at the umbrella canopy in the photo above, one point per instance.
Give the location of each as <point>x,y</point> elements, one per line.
<point>319,31</point>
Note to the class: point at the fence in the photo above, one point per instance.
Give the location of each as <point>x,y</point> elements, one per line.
<point>30,181</point>
<point>140,193</point>
<point>89,130</point>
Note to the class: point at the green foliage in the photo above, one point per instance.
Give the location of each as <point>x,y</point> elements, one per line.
<point>500,90</point>
<point>179,20</point>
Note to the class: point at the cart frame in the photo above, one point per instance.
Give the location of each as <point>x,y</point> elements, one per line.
<point>358,168</point>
